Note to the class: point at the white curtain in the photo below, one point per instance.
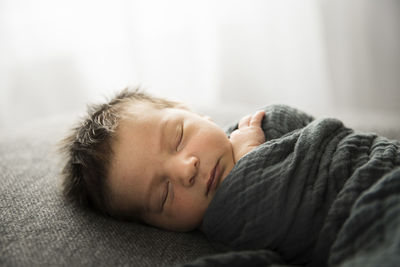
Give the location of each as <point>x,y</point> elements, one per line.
<point>57,55</point>
<point>363,44</point>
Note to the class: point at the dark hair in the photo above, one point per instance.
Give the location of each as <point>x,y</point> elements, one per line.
<point>88,148</point>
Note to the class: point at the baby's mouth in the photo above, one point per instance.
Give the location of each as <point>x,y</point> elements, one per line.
<point>212,181</point>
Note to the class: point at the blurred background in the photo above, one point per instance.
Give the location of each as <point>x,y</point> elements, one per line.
<point>222,57</point>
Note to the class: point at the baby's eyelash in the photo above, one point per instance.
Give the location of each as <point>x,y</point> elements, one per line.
<point>166,194</point>
<point>180,137</point>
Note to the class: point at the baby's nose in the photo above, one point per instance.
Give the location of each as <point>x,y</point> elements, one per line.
<point>188,170</point>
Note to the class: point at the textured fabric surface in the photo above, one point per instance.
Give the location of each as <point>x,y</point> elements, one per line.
<point>294,196</point>
<point>39,228</point>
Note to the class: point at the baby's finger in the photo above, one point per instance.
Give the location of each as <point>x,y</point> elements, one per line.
<point>256,119</point>
<point>244,122</point>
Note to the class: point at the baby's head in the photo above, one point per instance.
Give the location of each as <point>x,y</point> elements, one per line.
<point>144,158</point>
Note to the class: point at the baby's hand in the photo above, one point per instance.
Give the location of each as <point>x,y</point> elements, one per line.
<point>248,136</point>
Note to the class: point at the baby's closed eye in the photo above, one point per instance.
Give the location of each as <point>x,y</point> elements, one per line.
<point>165,194</point>
<point>179,137</point>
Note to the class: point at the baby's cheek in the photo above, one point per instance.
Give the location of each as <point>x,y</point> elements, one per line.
<point>190,208</point>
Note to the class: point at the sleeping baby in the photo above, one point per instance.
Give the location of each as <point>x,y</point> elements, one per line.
<point>277,188</point>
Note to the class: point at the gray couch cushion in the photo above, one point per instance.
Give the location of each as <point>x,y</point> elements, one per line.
<point>39,228</point>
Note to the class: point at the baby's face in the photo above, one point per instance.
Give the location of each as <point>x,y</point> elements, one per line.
<point>168,164</point>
